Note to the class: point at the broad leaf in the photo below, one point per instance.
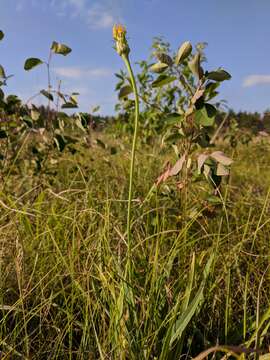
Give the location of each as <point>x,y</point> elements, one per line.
<point>2,72</point>
<point>60,142</point>
<point>218,75</point>
<point>125,91</point>
<point>61,49</point>
<point>201,160</point>
<point>183,52</point>
<point>202,118</point>
<point>47,94</point>
<point>222,170</point>
<point>221,158</point>
<point>69,105</point>
<point>31,63</point>
<point>178,166</point>
<point>195,66</point>
<point>163,80</point>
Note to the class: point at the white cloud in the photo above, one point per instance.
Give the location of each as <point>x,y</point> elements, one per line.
<point>75,72</point>
<point>99,18</point>
<point>253,80</point>
<point>98,15</point>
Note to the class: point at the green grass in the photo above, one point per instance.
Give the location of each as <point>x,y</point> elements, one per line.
<point>194,284</point>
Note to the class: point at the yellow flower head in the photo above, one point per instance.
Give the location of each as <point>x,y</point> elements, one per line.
<point>119,35</point>
<point>119,31</point>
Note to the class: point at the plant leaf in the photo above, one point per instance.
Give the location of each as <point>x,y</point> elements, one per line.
<point>125,91</point>
<point>31,63</point>
<point>184,319</point>
<point>69,105</point>
<point>221,158</point>
<point>163,80</point>
<point>201,160</point>
<point>2,35</point>
<point>202,117</point>
<point>183,52</point>
<point>195,66</point>
<point>222,170</point>
<point>178,166</point>
<point>35,115</point>
<point>218,75</point>
<point>47,94</point>
<point>61,49</point>
<point>2,72</point>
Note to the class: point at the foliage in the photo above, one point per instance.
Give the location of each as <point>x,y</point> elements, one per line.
<point>178,104</point>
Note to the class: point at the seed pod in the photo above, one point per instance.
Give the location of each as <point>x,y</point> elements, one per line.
<point>183,52</point>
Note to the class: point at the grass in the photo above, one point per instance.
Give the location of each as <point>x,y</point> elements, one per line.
<point>195,284</point>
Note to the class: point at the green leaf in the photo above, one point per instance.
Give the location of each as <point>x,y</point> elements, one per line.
<point>164,58</point>
<point>3,134</point>
<point>125,91</point>
<point>78,123</point>
<point>184,319</point>
<point>31,63</point>
<point>218,75</point>
<point>47,94</point>
<point>163,80</point>
<point>60,142</point>
<point>195,66</point>
<point>213,199</point>
<point>2,35</point>
<point>173,118</point>
<point>29,122</point>
<point>183,52</point>
<point>211,110</point>
<point>202,118</point>
<point>2,95</point>
<point>96,109</point>
<point>2,72</point>
<point>158,67</point>
<point>61,49</point>
<point>69,105</point>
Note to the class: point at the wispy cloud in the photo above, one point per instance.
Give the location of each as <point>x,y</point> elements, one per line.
<point>76,72</point>
<point>97,15</point>
<point>253,80</point>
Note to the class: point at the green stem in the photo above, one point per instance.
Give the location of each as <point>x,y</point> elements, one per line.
<point>132,161</point>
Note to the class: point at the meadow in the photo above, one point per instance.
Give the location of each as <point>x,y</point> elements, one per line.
<point>119,242</point>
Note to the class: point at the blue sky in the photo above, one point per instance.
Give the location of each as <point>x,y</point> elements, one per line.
<point>237,33</point>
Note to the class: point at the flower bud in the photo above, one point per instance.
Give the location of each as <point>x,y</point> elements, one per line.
<point>121,44</point>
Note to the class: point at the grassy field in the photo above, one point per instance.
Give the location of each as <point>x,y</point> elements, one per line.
<point>196,280</point>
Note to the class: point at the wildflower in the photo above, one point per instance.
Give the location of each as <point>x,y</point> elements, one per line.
<point>121,44</point>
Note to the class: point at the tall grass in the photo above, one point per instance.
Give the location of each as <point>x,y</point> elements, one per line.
<point>194,284</point>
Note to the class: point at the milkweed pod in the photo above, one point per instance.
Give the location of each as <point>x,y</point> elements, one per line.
<point>195,66</point>
<point>183,52</point>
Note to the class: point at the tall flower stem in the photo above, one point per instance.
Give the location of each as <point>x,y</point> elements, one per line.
<point>125,57</point>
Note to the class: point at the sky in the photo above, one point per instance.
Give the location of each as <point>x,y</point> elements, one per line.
<point>237,33</point>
